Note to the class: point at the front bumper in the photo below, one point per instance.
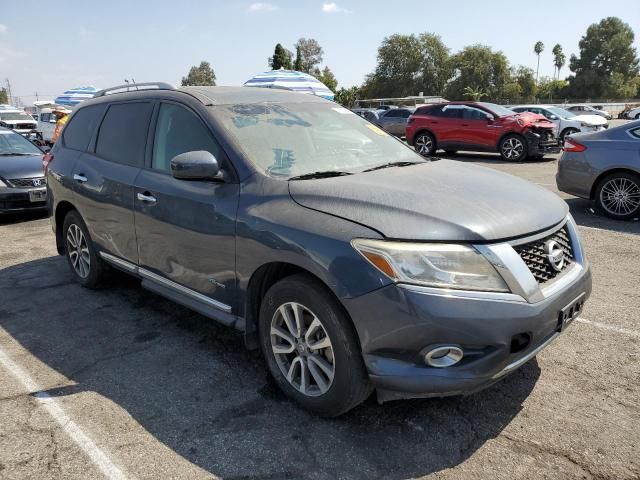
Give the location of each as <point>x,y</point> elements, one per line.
<point>398,324</point>
<point>15,200</point>
<point>541,144</point>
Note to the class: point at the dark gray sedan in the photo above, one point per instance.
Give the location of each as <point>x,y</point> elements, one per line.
<point>604,167</point>
<point>22,181</point>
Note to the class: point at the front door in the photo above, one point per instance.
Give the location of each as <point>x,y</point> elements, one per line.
<point>478,130</point>
<point>186,228</point>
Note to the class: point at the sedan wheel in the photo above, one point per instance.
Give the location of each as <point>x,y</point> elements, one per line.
<point>513,148</point>
<point>619,196</point>
<point>302,349</point>
<point>78,251</point>
<point>424,144</point>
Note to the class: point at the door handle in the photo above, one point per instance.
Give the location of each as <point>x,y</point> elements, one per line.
<point>79,178</point>
<point>434,123</point>
<point>465,124</point>
<point>146,197</point>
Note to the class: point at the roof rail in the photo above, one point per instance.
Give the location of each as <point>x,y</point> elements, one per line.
<point>128,87</point>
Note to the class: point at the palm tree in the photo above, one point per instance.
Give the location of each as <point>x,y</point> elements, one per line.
<point>538,48</point>
<point>474,94</point>
<point>557,51</point>
<point>559,59</point>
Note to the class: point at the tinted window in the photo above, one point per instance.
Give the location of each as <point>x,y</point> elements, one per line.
<point>393,113</point>
<point>178,131</point>
<point>123,133</point>
<point>452,112</point>
<point>473,114</point>
<point>635,132</point>
<point>78,132</point>
<point>405,113</point>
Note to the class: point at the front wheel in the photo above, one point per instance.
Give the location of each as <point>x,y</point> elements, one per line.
<point>618,195</point>
<point>425,144</point>
<point>311,348</point>
<point>513,148</point>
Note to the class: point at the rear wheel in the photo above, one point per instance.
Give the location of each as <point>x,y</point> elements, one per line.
<point>513,148</point>
<point>310,347</point>
<point>618,195</point>
<point>85,264</point>
<point>425,144</point>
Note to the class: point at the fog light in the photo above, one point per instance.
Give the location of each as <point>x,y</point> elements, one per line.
<point>444,356</point>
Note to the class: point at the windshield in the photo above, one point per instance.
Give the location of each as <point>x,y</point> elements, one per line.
<point>15,144</point>
<point>14,116</point>
<point>292,139</point>
<point>561,112</point>
<point>497,109</point>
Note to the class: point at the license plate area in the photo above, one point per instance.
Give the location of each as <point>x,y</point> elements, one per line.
<point>37,196</point>
<point>569,313</point>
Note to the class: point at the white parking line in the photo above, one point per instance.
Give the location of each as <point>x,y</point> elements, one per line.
<point>613,328</point>
<point>97,456</point>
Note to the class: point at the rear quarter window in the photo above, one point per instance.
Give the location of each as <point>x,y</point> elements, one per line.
<point>123,133</point>
<point>78,132</point>
<point>635,132</point>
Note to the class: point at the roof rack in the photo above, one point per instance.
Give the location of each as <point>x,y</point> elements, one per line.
<point>135,86</point>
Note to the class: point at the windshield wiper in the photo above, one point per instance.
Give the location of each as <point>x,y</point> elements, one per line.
<point>322,174</point>
<point>17,154</point>
<point>391,164</point>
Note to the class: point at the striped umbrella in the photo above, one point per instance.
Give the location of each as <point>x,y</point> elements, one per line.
<point>290,80</point>
<point>76,95</point>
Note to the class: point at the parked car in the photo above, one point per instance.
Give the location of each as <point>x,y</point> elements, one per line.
<point>368,114</point>
<point>634,114</point>
<point>394,120</point>
<point>604,167</point>
<point>46,119</point>
<point>354,263</point>
<point>589,110</point>
<point>22,181</point>
<point>566,122</point>
<point>480,126</point>
<point>17,120</point>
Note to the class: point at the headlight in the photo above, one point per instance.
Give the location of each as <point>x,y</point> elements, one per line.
<point>432,264</point>
<point>586,125</point>
<point>2,184</point>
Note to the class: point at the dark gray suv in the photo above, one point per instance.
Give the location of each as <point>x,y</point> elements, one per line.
<point>352,262</point>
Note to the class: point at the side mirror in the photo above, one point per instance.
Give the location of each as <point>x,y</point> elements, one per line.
<point>196,165</point>
<point>490,118</point>
<point>52,120</point>
<point>552,117</point>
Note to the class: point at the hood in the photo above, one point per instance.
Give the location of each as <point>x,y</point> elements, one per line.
<point>535,119</point>
<point>437,201</point>
<point>21,166</point>
<point>595,120</point>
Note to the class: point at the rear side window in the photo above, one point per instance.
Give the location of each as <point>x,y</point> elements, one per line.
<point>635,132</point>
<point>123,133</point>
<point>77,134</point>
<point>178,131</point>
<point>392,113</point>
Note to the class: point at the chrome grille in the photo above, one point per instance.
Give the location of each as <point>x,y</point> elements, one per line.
<point>28,182</point>
<point>534,256</point>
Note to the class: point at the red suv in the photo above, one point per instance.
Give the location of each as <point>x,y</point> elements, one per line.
<point>480,127</point>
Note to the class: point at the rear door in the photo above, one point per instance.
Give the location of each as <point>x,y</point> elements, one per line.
<point>104,178</point>
<point>186,228</point>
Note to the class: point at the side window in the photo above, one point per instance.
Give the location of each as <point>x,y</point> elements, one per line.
<point>123,133</point>
<point>178,131</point>
<point>405,113</point>
<point>635,132</point>
<point>395,113</point>
<point>473,114</point>
<point>454,111</point>
<point>78,132</point>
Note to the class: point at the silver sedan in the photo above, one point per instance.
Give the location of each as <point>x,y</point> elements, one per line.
<point>604,167</point>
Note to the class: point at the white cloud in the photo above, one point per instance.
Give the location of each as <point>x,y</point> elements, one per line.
<point>3,28</point>
<point>333,8</point>
<point>262,7</point>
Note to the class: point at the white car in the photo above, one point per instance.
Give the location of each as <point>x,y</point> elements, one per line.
<point>634,114</point>
<point>566,122</point>
<point>46,119</point>
<point>17,120</point>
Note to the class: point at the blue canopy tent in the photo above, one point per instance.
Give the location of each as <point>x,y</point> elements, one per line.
<point>290,80</point>
<point>75,95</point>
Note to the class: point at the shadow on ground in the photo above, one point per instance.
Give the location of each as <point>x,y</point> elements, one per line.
<point>22,217</point>
<point>587,215</point>
<point>191,384</point>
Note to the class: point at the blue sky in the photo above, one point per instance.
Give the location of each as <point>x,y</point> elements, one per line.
<point>101,43</point>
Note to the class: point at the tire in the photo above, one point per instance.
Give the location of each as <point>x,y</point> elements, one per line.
<point>450,152</point>
<point>337,380</point>
<point>86,265</point>
<point>566,132</point>
<point>513,148</point>
<point>637,116</point>
<point>425,144</point>
<point>618,195</point>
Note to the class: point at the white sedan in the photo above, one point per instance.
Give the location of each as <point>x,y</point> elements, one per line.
<point>634,114</point>
<point>566,122</point>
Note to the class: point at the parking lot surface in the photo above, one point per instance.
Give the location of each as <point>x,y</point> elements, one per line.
<point>120,383</point>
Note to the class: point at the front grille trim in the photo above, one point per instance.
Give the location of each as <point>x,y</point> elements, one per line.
<point>26,182</point>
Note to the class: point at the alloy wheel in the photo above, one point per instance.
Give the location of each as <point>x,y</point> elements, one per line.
<point>512,148</point>
<point>620,196</point>
<point>78,251</point>
<point>424,144</point>
<point>302,349</point>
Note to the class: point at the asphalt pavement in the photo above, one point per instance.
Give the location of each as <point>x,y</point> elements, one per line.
<point>120,383</point>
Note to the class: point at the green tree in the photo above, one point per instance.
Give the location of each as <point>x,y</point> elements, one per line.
<point>607,61</point>
<point>199,76</point>
<point>538,49</point>
<point>549,89</point>
<point>298,63</point>
<point>559,59</point>
<point>4,98</point>
<point>281,58</point>
<point>480,68</point>
<point>310,53</point>
<point>474,93</point>
<point>327,77</point>
<point>409,64</point>
<point>523,76</point>
<point>347,96</point>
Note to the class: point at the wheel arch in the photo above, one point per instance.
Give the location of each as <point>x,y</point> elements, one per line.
<point>62,209</point>
<point>506,134</point>
<point>424,130</point>
<point>606,173</point>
